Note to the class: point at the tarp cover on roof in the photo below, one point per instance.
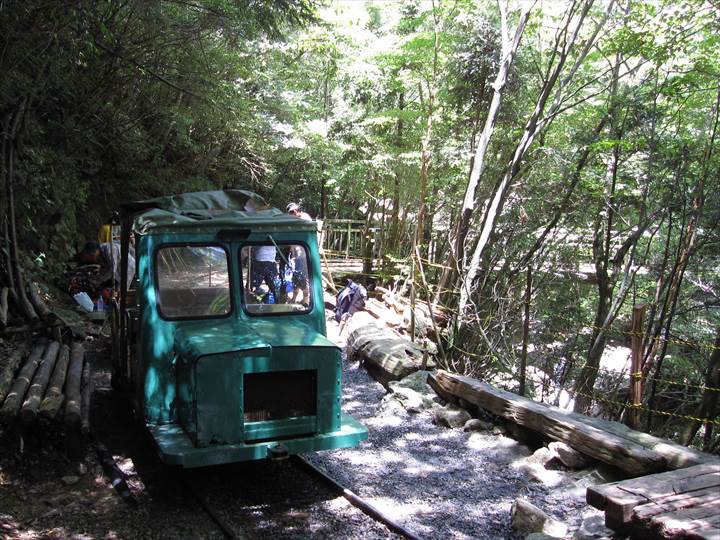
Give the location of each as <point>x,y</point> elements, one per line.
<point>219,207</point>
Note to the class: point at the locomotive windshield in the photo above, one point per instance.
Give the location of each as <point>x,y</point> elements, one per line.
<point>275,278</point>
<point>193,282</point>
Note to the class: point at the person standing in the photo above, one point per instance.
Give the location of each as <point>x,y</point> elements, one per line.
<point>264,268</point>
<point>294,209</point>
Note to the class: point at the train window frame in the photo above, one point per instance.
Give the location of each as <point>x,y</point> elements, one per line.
<point>272,242</point>
<point>228,260</point>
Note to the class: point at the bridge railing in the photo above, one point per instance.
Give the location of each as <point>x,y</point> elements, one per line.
<point>343,237</point>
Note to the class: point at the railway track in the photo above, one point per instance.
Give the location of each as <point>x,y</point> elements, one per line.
<point>354,499</point>
<point>230,530</point>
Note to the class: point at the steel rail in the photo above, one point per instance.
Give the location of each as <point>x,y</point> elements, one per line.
<point>356,500</point>
<point>224,527</point>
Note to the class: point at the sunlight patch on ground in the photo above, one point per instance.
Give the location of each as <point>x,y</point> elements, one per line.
<point>354,405</point>
<point>386,421</point>
<point>420,468</point>
<point>396,510</point>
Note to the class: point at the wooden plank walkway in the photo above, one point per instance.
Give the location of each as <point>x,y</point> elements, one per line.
<point>681,503</point>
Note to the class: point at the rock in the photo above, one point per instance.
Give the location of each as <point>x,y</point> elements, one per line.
<point>537,473</point>
<point>416,381</point>
<point>422,322</point>
<point>568,456</point>
<point>597,475</point>
<point>593,528</point>
<point>475,424</point>
<point>539,536</point>
<point>542,456</point>
<point>450,416</point>
<point>409,398</point>
<point>526,517</point>
<point>390,407</point>
<point>70,480</point>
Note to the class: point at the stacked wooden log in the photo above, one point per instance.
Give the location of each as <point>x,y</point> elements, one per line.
<point>48,384</point>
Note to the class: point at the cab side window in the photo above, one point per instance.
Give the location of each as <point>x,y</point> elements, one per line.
<point>193,282</point>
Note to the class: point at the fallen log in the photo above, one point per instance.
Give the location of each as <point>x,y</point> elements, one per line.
<point>38,303</point>
<point>54,396</point>
<point>72,385</point>
<point>401,305</point>
<point>7,370</point>
<point>86,395</point>
<point>14,399</point>
<point>571,428</point>
<point>31,327</point>
<point>28,412</point>
<point>385,356</point>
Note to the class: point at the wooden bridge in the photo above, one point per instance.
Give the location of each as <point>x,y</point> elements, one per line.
<point>346,245</point>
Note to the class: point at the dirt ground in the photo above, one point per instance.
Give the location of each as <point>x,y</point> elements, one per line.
<point>52,483</point>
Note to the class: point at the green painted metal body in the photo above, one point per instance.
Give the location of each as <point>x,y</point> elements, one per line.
<point>191,375</point>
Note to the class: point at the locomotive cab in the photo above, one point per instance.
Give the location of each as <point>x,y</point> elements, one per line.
<point>220,338</point>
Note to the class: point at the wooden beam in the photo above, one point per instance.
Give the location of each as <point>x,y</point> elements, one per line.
<point>560,425</point>
<point>620,498</point>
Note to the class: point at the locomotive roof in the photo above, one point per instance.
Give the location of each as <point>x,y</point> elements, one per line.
<point>230,208</point>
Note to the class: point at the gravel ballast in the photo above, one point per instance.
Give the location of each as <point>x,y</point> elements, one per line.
<point>439,482</point>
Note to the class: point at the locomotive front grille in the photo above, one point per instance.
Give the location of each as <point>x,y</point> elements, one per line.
<point>276,395</point>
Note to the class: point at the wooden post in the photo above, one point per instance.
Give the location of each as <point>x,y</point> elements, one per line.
<point>632,416</point>
<point>526,332</point>
<point>347,245</point>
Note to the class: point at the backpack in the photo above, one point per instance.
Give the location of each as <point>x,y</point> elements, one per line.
<point>350,299</point>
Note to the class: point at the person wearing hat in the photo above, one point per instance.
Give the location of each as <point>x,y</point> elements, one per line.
<point>293,209</point>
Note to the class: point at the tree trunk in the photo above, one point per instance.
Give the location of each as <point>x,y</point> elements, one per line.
<point>456,255</point>
<point>3,307</point>
<point>538,121</point>
<point>707,409</point>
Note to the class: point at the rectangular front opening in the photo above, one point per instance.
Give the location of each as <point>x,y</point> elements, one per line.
<point>276,395</point>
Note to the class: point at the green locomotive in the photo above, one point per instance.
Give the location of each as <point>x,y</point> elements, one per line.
<point>219,331</point>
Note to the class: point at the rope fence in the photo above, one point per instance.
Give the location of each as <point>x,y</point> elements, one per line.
<point>637,377</point>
